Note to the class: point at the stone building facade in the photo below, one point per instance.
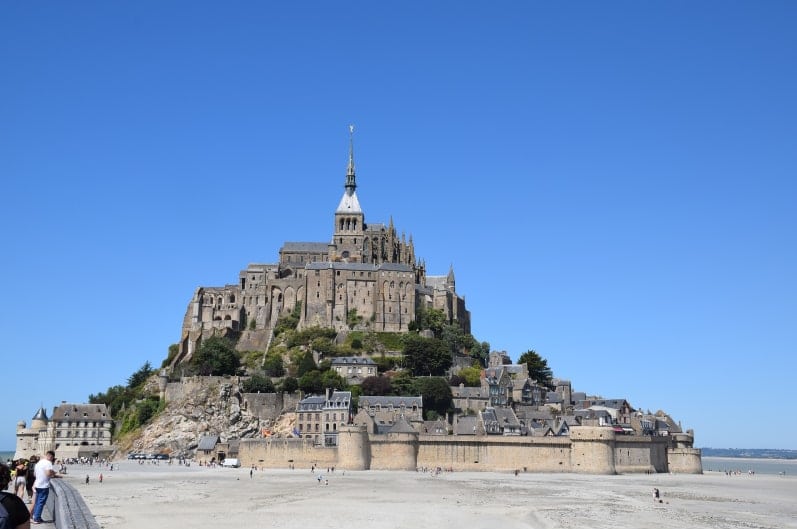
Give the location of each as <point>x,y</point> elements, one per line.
<point>320,417</point>
<point>73,430</point>
<point>366,276</point>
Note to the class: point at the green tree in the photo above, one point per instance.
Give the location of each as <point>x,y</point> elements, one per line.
<point>289,385</point>
<point>472,376</point>
<point>379,385</point>
<point>306,364</point>
<point>430,319</point>
<point>273,365</point>
<point>258,384</point>
<point>538,367</point>
<point>436,395</point>
<point>324,346</point>
<point>426,356</point>
<point>311,382</point>
<point>140,377</point>
<point>330,379</point>
<point>216,356</point>
<point>174,350</point>
<point>403,385</point>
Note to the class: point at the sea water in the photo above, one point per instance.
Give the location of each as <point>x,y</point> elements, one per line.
<point>747,465</point>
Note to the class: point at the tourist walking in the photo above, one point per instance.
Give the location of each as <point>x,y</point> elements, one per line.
<point>18,515</point>
<point>30,477</point>
<point>44,473</point>
<point>19,481</point>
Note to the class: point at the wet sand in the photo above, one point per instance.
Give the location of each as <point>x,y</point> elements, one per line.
<point>178,497</point>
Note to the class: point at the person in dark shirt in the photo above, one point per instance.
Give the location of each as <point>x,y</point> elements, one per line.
<point>18,514</point>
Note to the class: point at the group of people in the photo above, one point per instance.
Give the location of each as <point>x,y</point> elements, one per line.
<point>31,478</point>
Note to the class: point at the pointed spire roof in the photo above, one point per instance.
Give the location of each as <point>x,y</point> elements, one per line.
<point>41,415</point>
<point>401,426</point>
<point>450,276</point>
<point>349,203</point>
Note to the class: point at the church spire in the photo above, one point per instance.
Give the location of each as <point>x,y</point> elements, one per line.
<point>351,183</point>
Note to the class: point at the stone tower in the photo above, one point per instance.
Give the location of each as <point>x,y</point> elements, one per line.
<point>348,235</point>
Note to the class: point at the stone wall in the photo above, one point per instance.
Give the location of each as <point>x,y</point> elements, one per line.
<point>633,454</point>
<point>590,450</point>
<point>269,406</point>
<point>685,460</point>
<point>285,453</point>
<point>394,451</point>
<point>481,453</point>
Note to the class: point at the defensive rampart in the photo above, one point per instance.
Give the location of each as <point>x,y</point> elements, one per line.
<point>285,453</point>
<point>588,450</point>
<point>685,460</point>
<point>640,454</point>
<point>532,454</point>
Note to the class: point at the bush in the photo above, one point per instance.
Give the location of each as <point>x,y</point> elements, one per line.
<point>258,384</point>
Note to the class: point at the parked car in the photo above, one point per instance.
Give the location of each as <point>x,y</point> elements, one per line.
<point>231,462</point>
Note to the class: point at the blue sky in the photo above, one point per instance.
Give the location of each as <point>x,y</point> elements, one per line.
<point>614,183</point>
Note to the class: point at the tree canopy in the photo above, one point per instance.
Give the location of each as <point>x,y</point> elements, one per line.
<point>426,356</point>
<point>538,367</point>
<point>379,385</point>
<point>436,395</point>
<point>258,384</point>
<point>216,356</point>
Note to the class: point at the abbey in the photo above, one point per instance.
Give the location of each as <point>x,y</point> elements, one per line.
<point>365,277</point>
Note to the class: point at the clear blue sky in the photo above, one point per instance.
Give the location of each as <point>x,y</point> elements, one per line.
<point>614,183</point>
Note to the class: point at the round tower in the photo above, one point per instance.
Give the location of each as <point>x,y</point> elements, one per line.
<point>39,421</point>
<point>163,380</point>
<point>592,450</point>
<point>354,451</point>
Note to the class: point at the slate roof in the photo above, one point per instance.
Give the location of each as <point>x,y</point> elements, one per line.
<point>207,442</point>
<point>310,247</point>
<point>352,360</point>
<point>367,401</point>
<point>466,425</point>
<point>90,412</point>
<point>365,267</point>
<point>349,203</point>
<point>401,426</point>
<point>312,403</point>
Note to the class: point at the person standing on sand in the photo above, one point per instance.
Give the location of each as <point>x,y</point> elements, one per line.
<point>44,473</point>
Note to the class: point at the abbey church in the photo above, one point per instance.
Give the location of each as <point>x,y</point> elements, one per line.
<point>366,277</point>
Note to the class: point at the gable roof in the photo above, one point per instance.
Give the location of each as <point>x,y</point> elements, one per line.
<point>352,360</point>
<point>208,442</point>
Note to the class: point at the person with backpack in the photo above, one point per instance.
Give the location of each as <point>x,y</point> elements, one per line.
<point>13,512</point>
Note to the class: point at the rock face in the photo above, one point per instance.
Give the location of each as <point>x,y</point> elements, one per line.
<point>205,407</point>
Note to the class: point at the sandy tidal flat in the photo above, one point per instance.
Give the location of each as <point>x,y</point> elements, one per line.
<point>176,497</point>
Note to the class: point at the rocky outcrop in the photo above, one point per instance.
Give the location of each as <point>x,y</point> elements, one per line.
<point>214,407</point>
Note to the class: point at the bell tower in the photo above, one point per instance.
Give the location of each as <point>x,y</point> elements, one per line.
<point>349,231</point>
